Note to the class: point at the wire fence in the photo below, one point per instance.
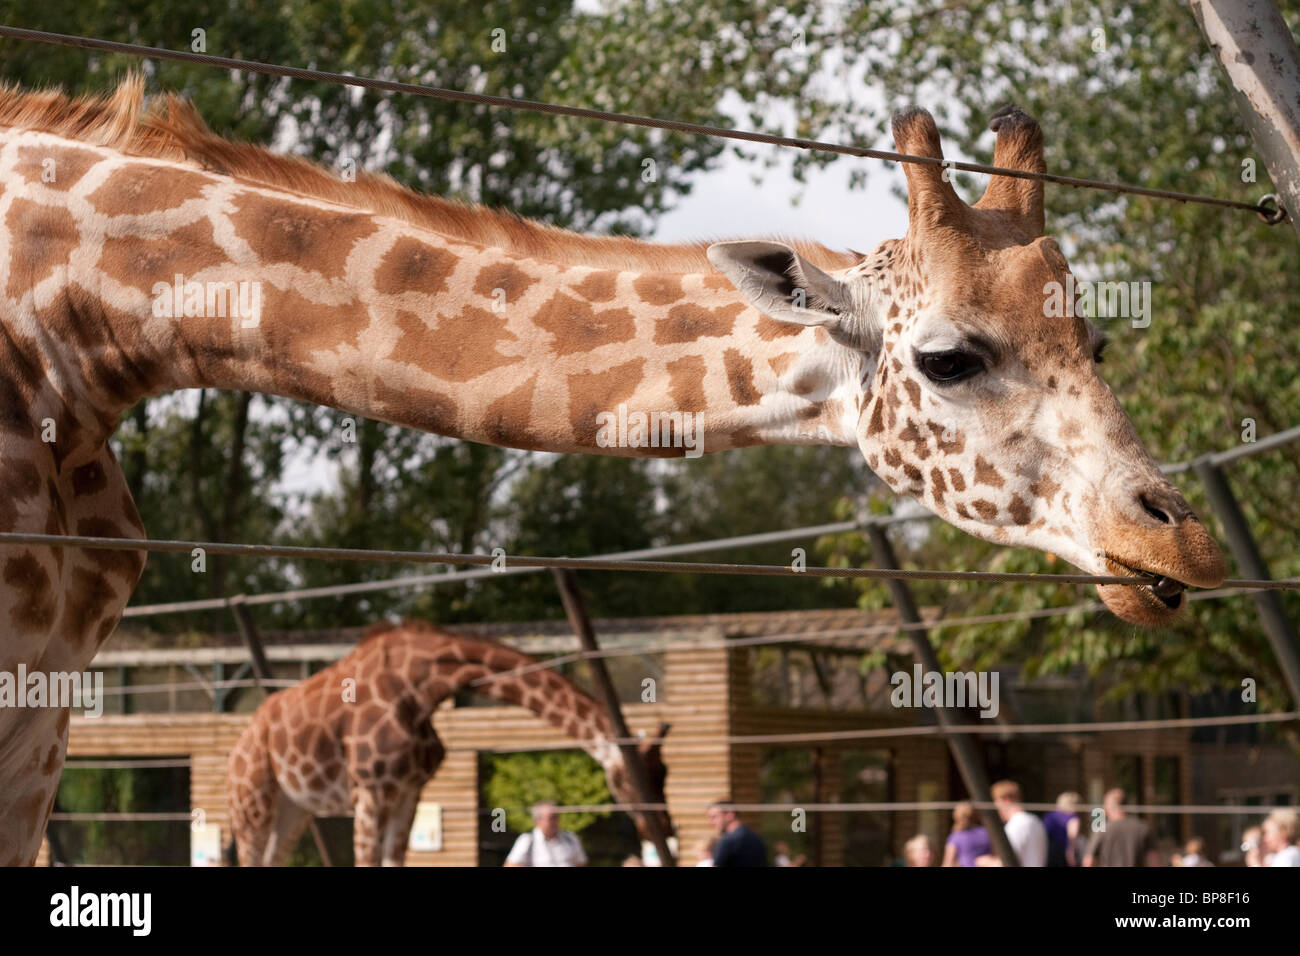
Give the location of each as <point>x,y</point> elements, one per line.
<point>719,544</point>
<point>1266,209</point>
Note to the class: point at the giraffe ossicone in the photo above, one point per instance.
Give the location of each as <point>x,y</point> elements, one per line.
<point>932,354</point>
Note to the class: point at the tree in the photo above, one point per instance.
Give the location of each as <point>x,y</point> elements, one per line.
<point>1128,92</point>
<point>563,777</point>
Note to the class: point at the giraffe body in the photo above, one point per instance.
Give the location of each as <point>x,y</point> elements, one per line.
<point>357,739</point>
<point>140,253</point>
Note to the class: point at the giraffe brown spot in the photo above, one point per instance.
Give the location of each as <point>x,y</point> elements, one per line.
<point>690,322</point>
<point>461,348</point>
<point>591,393</point>
<point>57,167</point>
<point>686,383</point>
<point>951,446</point>
<point>717,282</point>
<point>143,262</point>
<point>938,487</point>
<point>506,276</point>
<point>660,289</point>
<point>32,605</point>
<point>89,479</point>
<point>961,510</point>
<point>506,421</point>
<point>23,480</point>
<point>987,509</point>
<point>913,393</point>
<point>86,600</point>
<point>873,462</point>
<point>740,377</point>
<point>877,423</point>
<point>768,329</point>
<point>892,458</point>
<point>421,408</point>
<point>143,188</point>
<point>127,564</point>
<point>597,287</point>
<point>958,481</point>
<point>14,416</point>
<point>1044,489</point>
<point>1051,382</point>
<point>41,240</point>
<point>920,444</point>
<point>912,472</point>
<point>782,363</point>
<point>578,327</point>
<point>1019,510</point>
<point>986,474</point>
<point>320,240</point>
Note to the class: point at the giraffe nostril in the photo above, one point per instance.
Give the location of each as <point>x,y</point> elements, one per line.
<point>1159,514</point>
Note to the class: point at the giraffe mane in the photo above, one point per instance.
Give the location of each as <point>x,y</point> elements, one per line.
<point>171,128</point>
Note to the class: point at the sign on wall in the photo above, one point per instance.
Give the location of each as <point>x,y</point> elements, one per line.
<point>426,831</point>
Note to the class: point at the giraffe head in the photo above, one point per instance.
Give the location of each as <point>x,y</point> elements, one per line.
<point>621,788</point>
<point>974,385</point>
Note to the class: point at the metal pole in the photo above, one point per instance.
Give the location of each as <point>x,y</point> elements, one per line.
<point>262,671</point>
<point>1268,604</point>
<point>962,746</point>
<point>577,613</point>
<point>1259,56</point>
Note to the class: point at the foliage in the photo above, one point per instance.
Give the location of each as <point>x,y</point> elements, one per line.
<point>564,777</point>
<point>1151,107</point>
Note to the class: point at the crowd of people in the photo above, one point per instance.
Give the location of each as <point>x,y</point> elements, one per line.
<point>1062,837</point>
<point>1065,837</point>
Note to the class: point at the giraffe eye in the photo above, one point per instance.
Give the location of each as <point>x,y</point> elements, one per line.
<point>951,365</point>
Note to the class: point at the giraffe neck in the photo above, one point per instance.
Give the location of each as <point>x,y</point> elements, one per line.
<point>179,278</point>
<point>443,664</point>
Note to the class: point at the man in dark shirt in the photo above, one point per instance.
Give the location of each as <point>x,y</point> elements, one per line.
<point>1126,841</point>
<point>737,845</point>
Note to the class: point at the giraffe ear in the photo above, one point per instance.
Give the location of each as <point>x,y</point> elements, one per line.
<point>782,284</point>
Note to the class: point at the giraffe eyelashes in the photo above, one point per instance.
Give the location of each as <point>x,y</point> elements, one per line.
<point>949,365</point>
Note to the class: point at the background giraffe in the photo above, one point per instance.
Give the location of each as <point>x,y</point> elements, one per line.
<point>124,274</point>
<point>357,738</point>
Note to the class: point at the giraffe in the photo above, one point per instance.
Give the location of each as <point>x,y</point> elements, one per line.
<point>357,738</point>
<point>141,253</point>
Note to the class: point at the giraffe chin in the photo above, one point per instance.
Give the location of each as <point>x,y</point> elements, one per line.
<point>1141,605</point>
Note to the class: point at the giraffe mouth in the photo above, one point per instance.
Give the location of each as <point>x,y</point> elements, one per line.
<point>1168,591</point>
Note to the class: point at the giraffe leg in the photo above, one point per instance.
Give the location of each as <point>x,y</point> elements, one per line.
<point>371,813</point>
<point>398,832</point>
<point>291,821</point>
<point>254,796</point>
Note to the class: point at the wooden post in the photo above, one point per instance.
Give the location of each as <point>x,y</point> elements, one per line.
<point>577,614</point>
<point>962,746</point>
<point>1259,56</point>
<point>262,671</point>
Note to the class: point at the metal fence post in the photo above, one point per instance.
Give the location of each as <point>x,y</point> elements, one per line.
<point>964,751</point>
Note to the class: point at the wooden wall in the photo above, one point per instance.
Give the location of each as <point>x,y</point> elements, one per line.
<point>694,751</point>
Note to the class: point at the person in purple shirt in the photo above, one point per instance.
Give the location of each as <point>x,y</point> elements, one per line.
<point>1062,825</point>
<point>968,841</point>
